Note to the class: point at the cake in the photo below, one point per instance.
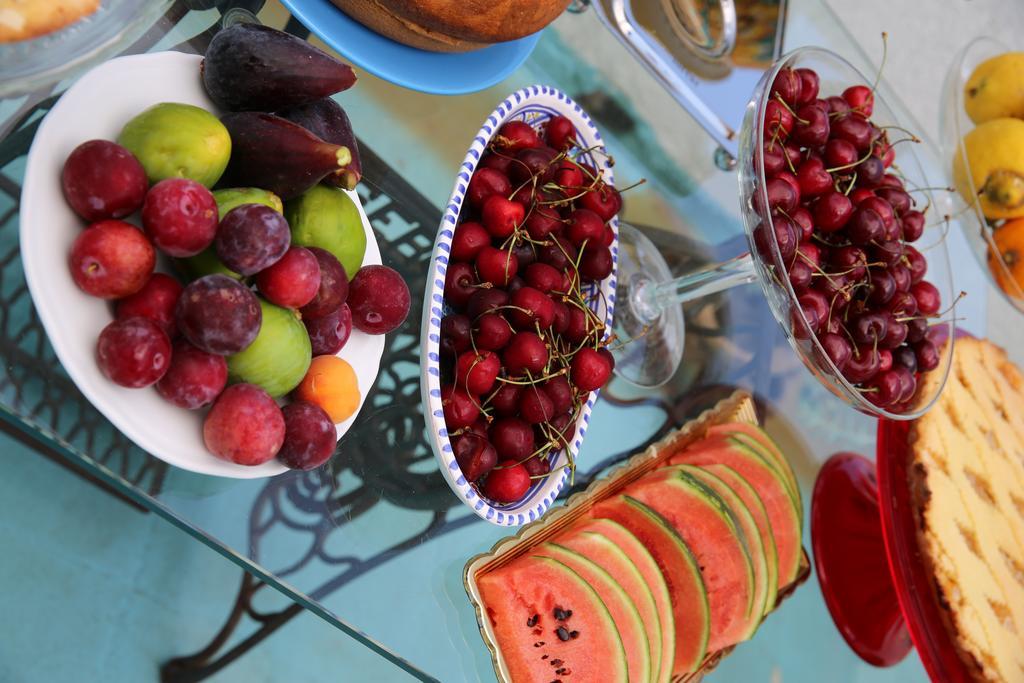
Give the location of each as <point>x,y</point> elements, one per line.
<point>453,25</point>
<point>24,19</point>
<point>967,484</point>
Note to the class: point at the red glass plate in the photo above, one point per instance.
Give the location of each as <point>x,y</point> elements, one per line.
<point>911,578</point>
<point>851,562</point>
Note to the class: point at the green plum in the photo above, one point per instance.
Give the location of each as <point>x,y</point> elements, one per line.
<point>326,217</point>
<point>174,140</point>
<point>279,357</point>
<point>232,197</point>
<point>203,263</point>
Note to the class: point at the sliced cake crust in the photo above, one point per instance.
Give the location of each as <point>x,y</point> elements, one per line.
<point>967,484</point>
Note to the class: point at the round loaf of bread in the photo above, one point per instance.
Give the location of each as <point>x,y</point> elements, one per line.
<point>453,25</point>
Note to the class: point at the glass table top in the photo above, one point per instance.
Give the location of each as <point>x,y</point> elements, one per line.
<point>374,542</point>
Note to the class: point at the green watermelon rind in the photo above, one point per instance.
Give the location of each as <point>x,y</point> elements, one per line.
<point>701,618</point>
<point>604,552</point>
<point>642,559</point>
<point>745,521</point>
<point>735,480</point>
<point>567,556</point>
<point>674,478</point>
<point>786,574</point>
<point>752,436</point>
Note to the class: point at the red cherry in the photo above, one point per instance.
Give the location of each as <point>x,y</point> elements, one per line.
<point>459,283</point>
<point>813,178</point>
<point>840,153</point>
<point>505,400</point>
<point>476,372</point>
<point>542,221</point>
<point>861,100</point>
<point>590,370</point>
<point>569,178</point>
<point>837,348</point>
<point>811,253</point>
<point>560,133</point>
<point>912,224</point>
<point>512,438</point>
<point>927,296</point>
<point>596,263</point>
<point>531,307</point>
<point>559,391</point>
<point>475,455</point>
<point>515,136</point>
<point>782,194</point>
<point>812,126</point>
<point>491,332</point>
<point>916,263</point>
<point>862,366</point>
<point>535,406</point>
<point>508,482</point>
<point>788,86</point>
<point>486,182</point>
<point>460,409</point>
<point>832,211</point>
<point>778,120</point>
<point>502,216</point>
<point>496,266</point>
<point>803,221</point>
<point>809,84</point>
<point>468,240</point>
<point>859,194</point>
<point>497,162</point>
<point>525,353</point>
<point>585,226</point>
<point>927,356</point>
<point>603,200</point>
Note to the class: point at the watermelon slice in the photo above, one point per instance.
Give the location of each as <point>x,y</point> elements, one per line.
<point>614,560</point>
<point>757,510</point>
<point>643,562</point>
<point>620,606</point>
<point>751,534</point>
<point>752,436</point>
<point>678,566</point>
<point>709,528</point>
<point>770,487</point>
<point>520,600</point>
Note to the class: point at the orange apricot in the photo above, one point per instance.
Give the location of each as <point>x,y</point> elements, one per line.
<point>330,383</point>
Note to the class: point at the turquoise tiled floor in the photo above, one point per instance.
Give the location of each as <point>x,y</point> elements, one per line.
<point>93,590</point>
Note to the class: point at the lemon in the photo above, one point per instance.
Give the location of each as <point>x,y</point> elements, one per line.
<point>996,88</point>
<point>995,153</point>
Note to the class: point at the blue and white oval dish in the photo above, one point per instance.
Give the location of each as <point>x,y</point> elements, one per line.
<point>535,105</point>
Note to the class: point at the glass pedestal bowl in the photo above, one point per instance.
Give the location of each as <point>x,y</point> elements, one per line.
<point>954,125</point>
<point>648,319</point>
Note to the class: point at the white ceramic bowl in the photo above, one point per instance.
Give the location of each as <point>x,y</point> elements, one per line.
<point>97,106</point>
<point>535,105</point>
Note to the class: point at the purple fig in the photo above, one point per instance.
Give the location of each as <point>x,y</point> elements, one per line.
<point>275,154</point>
<point>250,67</point>
<point>327,120</point>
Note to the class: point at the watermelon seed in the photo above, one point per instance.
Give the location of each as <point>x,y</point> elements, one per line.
<point>556,662</point>
<point>562,614</point>
<point>539,643</point>
<point>563,633</point>
<point>574,634</point>
<point>544,657</point>
<point>532,621</point>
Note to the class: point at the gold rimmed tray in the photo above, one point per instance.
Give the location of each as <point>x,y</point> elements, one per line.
<point>737,408</point>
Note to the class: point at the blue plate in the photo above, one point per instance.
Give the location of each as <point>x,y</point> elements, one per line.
<point>441,73</point>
